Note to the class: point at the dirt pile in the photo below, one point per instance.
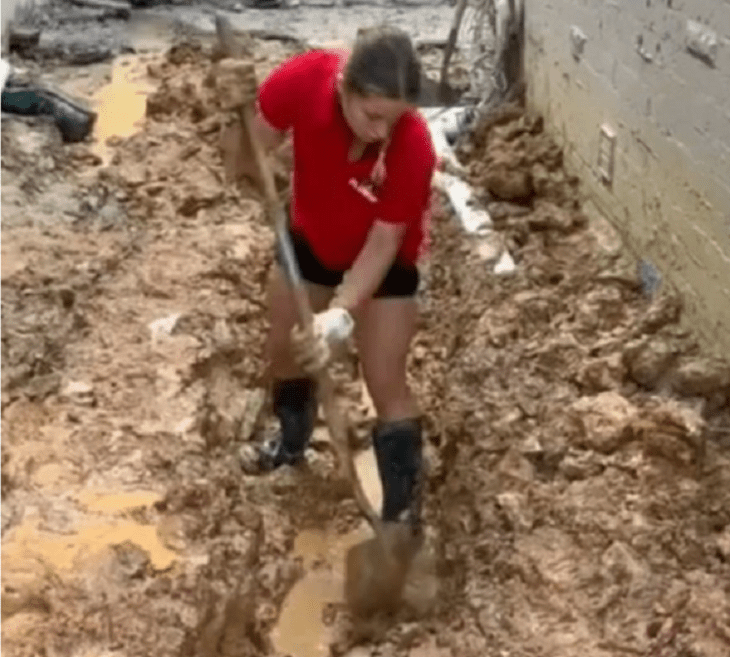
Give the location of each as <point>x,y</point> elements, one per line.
<point>582,489</point>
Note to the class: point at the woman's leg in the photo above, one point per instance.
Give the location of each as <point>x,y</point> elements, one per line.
<point>294,393</point>
<point>385,329</point>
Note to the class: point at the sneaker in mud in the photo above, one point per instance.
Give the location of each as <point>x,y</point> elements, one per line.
<point>267,456</point>
<point>295,412</point>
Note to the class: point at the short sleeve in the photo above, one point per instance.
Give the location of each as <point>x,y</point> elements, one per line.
<point>410,163</point>
<point>281,94</point>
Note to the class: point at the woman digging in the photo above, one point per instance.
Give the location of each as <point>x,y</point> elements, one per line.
<point>363,161</point>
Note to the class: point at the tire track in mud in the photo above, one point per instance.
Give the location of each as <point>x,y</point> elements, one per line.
<point>578,497</point>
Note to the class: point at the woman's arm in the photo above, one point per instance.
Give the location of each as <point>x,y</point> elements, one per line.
<point>370,266</point>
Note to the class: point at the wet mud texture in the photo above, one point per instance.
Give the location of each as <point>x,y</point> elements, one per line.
<point>577,439</point>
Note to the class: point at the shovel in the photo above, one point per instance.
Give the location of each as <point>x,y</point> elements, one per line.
<point>375,570</point>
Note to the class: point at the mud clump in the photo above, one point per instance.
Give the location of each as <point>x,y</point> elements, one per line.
<point>517,161</point>
<point>573,439</point>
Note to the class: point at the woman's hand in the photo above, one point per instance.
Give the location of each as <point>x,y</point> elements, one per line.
<point>330,329</point>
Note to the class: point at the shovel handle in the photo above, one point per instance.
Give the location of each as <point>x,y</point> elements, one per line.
<point>335,418</point>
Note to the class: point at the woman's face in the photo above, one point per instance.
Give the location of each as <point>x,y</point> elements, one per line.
<point>371,118</point>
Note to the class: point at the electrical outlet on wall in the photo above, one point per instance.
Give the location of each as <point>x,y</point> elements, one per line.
<point>606,153</point>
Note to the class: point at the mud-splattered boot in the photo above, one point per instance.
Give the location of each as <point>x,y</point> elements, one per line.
<point>399,455</point>
<point>295,406</point>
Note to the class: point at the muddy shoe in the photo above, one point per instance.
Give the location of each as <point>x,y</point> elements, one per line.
<point>295,406</point>
<point>398,452</point>
<point>265,457</point>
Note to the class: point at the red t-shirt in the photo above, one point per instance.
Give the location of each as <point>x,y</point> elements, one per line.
<point>334,203</point>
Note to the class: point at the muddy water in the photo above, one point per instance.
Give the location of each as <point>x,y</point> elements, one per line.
<point>31,552</point>
<point>302,630</point>
<point>121,104</point>
<point>64,553</point>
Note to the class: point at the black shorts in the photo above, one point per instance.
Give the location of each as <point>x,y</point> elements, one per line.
<point>402,280</point>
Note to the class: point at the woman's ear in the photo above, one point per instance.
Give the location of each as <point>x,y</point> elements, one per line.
<point>340,84</point>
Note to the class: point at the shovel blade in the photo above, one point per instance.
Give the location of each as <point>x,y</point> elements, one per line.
<point>373,581</point>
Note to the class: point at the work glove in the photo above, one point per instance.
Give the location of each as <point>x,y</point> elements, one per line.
<point>330,329</point>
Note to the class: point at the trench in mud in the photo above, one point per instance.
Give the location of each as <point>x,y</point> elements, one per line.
<point>300,629</point>
<point>575,511</point>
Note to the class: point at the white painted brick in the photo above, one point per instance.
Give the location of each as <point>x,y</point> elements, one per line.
<point>671,190</point>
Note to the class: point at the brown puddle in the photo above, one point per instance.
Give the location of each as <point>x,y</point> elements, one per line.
<point>121,105</point>
<point>301,630</point>
<point>30,553</point>
<point>70,552</point>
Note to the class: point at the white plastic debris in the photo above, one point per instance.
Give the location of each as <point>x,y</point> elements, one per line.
<point>164,326</point>
<point>505,265</point>
<point>490,247</point>
<point>5,70</point>
<point>445,125</point>
<point>461,197</point>
<point>79,392</point>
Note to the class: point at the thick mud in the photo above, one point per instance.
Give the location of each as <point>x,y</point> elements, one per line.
<point>579,473</point>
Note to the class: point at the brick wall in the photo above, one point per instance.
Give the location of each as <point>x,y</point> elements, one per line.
<point>656,75</point>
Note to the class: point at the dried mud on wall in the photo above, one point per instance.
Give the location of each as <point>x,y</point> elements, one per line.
<point>652,79</point>
<point>578,442</point>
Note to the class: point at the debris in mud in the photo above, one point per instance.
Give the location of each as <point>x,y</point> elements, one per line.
<point>74,121</point>
<point>23,39</point>
<point>79,393</point>
<point>79,53</point>
<point>114,8</point>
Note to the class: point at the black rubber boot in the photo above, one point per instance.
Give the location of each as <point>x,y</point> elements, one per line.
<point>73,120</point>
<point>295,405</point>
<point>399,455</point>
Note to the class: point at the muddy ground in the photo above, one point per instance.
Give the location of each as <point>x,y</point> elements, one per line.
<point>579,485</point>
